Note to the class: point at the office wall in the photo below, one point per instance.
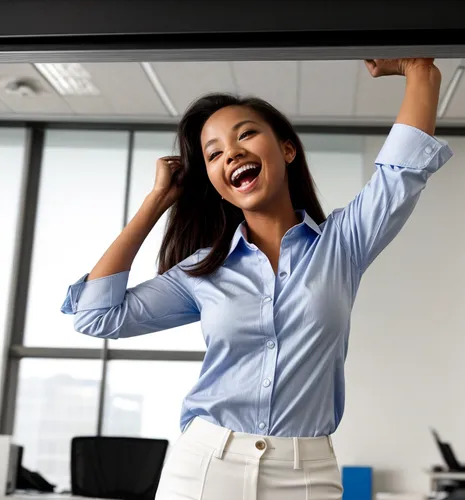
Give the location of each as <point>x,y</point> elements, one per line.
<point>405,369</point>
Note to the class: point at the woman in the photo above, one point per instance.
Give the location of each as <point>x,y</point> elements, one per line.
<point>274,292</point>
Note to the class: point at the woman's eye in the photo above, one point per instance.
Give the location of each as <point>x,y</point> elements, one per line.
<point>213,156</point>
<point>246,134</point>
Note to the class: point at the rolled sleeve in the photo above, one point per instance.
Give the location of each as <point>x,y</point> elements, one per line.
<point>409,147</point>
<point>376,215</point>
<point>101,293</point>
<point>106,308</point>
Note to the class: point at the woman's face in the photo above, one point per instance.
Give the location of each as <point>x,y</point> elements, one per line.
<point>245,161</point>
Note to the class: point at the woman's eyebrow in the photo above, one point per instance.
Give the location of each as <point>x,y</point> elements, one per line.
<point>235,127</point>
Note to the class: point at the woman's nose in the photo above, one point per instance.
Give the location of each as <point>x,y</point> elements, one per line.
<point>234,154</point>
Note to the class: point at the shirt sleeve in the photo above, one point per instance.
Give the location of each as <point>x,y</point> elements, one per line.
<point>371,221</point>
<point>106,308</point>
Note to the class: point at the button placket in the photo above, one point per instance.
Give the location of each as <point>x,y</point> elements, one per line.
<point>266,384</point>
<point>269,355</point>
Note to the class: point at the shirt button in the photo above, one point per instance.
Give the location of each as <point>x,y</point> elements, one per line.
<point>261,426</point>
<point>267,299</point>
<point>282,274</point>
<point>270,344</point>
<point>267,382</point>
<point>428,150</point>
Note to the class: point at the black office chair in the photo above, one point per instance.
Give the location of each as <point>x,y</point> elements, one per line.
<point>116,467</point>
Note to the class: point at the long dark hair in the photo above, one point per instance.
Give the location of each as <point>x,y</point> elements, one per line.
<point>200,218</point>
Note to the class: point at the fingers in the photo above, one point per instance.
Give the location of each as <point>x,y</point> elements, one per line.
<point>382,67</point>
<point>371,66</point>
<point>385,67</point>
<point>173,162</point>
<point>171,159</point>
<point>175,166</point>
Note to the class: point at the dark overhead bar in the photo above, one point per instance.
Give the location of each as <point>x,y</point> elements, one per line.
<point>177,30</point>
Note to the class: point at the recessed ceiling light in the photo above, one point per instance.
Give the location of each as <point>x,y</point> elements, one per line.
<point>68,78</point>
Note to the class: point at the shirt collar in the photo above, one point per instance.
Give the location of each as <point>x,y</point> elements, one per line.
<point>241,231</point>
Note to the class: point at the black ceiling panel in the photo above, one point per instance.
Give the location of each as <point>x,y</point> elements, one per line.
<point>116,30</point>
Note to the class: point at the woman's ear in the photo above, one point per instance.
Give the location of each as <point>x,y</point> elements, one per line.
<point>289,151</point>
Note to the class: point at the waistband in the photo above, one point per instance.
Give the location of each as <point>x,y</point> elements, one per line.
<point>221,440</point>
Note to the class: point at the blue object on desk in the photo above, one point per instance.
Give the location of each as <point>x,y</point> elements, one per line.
<point>357,483</point>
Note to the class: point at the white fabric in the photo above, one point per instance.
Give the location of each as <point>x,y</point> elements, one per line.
<point>209,462</point>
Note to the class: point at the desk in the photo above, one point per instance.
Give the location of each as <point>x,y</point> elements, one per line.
<point>435,477</point>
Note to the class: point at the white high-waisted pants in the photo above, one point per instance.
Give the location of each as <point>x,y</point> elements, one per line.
<point>209,462</point>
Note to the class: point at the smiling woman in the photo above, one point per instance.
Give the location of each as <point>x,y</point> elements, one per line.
<point>250,152</point>
<point>250,254</point>
<point>218,135</point>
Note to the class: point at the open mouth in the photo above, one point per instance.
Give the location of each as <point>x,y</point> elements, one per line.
<point>245,175</point>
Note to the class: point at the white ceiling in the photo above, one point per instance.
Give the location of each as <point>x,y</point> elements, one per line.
<point>313,92</point>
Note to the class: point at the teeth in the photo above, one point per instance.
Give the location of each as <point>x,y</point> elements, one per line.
<point>239,171</point>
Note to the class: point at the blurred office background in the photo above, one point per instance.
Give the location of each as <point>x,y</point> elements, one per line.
<point>78,146</point>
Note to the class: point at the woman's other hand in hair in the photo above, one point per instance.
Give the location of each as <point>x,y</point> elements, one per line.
<point>168,179</point>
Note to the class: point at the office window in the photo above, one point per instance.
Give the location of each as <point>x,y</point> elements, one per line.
<point>148,147</point>
<point>12,149</point>
<point>56,400</point>
<point>79,214</point>
<point>144,398</point>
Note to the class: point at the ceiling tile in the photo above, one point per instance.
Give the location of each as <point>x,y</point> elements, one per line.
<point>310,90</point>
<point>48,102</point>
<point>378,97</point>
<point>90,105</point>
<point>456,107</point>
<point>186,81</point>
<point>383,96</point>
<point>447,67</point>
<point>125,88</point>
<point>275,81</point>
<point>49,105</point>
<point>4,108</point>
<point>327,88</point>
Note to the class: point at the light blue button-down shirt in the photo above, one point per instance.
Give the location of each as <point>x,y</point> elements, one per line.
<point>275,344</point>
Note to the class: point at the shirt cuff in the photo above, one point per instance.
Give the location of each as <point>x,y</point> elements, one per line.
<point>101,293</point>
<point>410,147</point>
